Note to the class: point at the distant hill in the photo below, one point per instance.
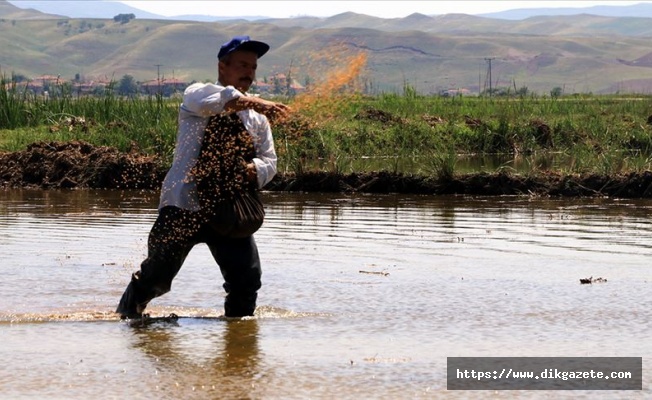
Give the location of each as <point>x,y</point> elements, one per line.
<point>581,53</point>
<point>108,9</point>
<point>82,9</point>
<point>583,25</point>
<point>641,10</point>
<point>9,11</point>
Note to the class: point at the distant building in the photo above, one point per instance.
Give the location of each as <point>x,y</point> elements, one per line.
<point>44,84</point>
<point>454,92</point>
<point>164,86</point>
<point>278,84</point>
<point>50,79</point>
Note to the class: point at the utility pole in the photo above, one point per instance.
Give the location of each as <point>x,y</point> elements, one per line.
<point>480,80</point>
<point>488,60</point>
<point>158,76</point>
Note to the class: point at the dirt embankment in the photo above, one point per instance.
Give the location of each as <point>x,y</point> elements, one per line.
<point>80,165</point>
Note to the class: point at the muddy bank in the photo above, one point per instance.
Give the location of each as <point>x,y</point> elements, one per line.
<point>80,165</point>
<point>66,165</point>
<point>481,184</point>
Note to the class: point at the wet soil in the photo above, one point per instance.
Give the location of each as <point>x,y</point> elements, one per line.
<point>68,165</point>
<point>78,164</point>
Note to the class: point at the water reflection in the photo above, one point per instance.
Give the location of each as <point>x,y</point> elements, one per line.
<point>203,356</point>
<point>56,202</point>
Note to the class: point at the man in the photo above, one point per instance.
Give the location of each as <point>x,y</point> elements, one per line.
<point>182,222</point>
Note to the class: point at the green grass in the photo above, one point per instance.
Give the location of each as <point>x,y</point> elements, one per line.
<point>606,134</point>
<point>148,123</point>
<point>598,134</point>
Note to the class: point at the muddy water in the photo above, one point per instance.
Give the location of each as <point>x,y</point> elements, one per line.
<point>363,296</point>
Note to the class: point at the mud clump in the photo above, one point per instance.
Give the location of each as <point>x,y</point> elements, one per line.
<point>591,280</point>
<point>542,133</point>
<point>77,164</point>
<point>372,114</point>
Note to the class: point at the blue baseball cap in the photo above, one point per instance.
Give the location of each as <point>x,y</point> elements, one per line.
<point>243,43</point>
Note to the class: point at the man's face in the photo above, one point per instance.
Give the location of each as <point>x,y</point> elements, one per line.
<point>238,70</point>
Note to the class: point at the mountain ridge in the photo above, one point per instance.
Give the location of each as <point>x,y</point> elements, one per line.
<point>108,9</point>
<point>583,53</point>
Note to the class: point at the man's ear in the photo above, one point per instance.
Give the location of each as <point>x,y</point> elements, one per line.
<point>220,66</point>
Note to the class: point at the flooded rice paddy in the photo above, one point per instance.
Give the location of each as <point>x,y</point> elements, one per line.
<point>363,296</point>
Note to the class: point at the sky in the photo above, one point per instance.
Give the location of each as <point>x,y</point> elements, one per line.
<point>382,9</point>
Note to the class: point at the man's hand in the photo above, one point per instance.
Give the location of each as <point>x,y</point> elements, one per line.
<point>270,109</point>
<point>251,172</point>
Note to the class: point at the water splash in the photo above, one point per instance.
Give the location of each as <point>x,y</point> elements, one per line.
<point>262,312</point>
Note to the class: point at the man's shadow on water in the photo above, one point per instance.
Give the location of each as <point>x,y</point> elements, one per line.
<point>203,354</point>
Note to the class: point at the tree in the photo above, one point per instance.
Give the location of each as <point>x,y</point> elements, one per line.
<point>278,86</point>
<point>127,86</point>
<point>15,77</point>
<point>556,92</point>
<point>522,91</point>
<point>124,18</point>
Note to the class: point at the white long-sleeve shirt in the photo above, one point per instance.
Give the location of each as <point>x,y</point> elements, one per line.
<point>200,102</point>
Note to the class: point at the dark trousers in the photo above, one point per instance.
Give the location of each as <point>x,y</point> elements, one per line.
<point>173,235</point>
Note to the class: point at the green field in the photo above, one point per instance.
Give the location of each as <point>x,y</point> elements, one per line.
<point>595,134</point>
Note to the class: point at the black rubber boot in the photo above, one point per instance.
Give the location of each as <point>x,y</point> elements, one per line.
<point>129,306</point>
<point>240,305</point>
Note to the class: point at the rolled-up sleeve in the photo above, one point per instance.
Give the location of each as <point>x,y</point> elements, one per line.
<point>265,160</point>
<point>206,99</point>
